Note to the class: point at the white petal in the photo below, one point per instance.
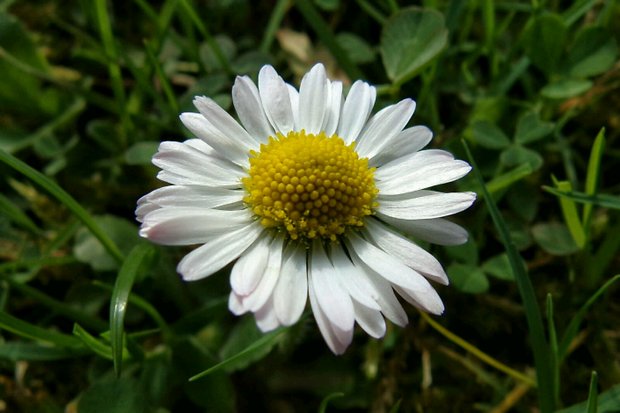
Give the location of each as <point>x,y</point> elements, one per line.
<point>370,320</point>
<point>235,305</point>
<point>438,231</point>
<point>337,341</point>
<point>250,267</point>
<point>191,225</point>
<point>332,114</point>
<point>250,109</point>
<point>225,123</point>
<point>187,196</point>
<point>293,95</point>
<point>412,161</point>
<point>384,127</point>
<point>425,177</point>
<point>265,316</point>
<point>354,279</point>
<point>408,141</point>
<point>335,302</point>
<point>218,252</point>
<point>390,307</point>
<point>224,145</point>
<point>291,291</point>
<point>394,271</point>
<point>426,205</point>
<point>406,251</point>
<point>355,111</point>
<point>182,164</point>
<point>429,302</point>
<point>313,93</point>
<point>259,296</point>
<point>275,97</point>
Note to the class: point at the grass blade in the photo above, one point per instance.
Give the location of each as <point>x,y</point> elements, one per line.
<point>66,199</point>
<point>25,329</point>
<point>553,349</point>
<point>526,290</point>
<point>593,175</point>
<point>9,209</point>
<point>96,345</point>
<point>120,297</point>
<point>279,10</point>
<point>114,69</point>
<point>265,340</point>
<point>601,200</point>
<point>19,350</point>
<point>327,399</point>
<point>58,306</point>
<point>142,304</point>
<point>475,351</point>
<point>575,322</point>
<point>593,394</point>
<point>571,216</point>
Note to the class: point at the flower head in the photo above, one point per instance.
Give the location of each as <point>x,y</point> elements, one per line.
<point>313,197</point>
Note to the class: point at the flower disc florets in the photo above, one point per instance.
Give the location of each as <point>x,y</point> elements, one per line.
<point>309,185</point>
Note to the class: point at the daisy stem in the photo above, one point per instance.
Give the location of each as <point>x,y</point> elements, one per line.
<point>477,352</point>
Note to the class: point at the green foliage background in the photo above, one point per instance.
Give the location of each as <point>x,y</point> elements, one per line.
<point>93,319</point>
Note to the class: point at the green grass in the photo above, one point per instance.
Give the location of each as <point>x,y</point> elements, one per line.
<point>94,319</point>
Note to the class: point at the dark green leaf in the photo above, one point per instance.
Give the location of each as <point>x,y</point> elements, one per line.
<point>141,153</point>
<point>555,238</point>
<point>359,51</point>
<point>122,395</point>
<point>89,250</point>
<point>488,135</point>
<point>594,52</point>
<point>531,128</point>
<point>566,88</point>
<point>517,155</point>
<point>468,278</point>
<point>545,37</point>
<point>499,267</point>
<point>411,39</point>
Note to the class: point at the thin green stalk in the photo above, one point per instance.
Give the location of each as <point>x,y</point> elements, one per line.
<point>280,9</point>
<point>553,347</point>
<point>326,35</point>
<point>114,69</point>
<point>573,327</point>
<point>475,351</point>
<point>143,304</point>
<point>66,199</point>
<point>58,306</point>
<point>540,346</point>
<point>165,84</point>
<point>372,11</point>
<point>217,50</point>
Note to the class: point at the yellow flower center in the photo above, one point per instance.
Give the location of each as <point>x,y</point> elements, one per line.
<point>309,185</point>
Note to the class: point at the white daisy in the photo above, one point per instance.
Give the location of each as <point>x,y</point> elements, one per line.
<point>311,195</point>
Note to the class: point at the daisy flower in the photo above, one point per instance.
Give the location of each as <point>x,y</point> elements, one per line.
<point>310,196</point>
